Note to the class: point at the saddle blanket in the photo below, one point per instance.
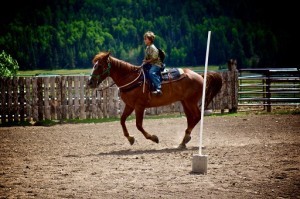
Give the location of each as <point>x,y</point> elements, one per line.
<point>171,74</point>
<point>167,75</point>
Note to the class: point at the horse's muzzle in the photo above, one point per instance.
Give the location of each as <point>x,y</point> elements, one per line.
<point>93,83</point>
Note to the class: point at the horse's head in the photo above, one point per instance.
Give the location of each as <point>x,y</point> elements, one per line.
<point>101,69</point>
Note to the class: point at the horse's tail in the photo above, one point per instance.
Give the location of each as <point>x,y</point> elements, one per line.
<point>213,86</point>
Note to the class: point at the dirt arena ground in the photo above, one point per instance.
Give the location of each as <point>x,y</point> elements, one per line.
<point>249,156</point>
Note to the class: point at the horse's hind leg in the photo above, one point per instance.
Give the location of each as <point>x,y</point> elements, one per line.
<point>139,113</point>
<point>127,111</point>
<point>193,116</point>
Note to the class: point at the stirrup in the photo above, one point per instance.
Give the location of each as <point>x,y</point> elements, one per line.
<point>157,92</point>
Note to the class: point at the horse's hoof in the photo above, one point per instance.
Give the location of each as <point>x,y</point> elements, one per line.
<point>154,138</point>
<point>131,140</point>
<point>186,139</point>
<point>181,147</point>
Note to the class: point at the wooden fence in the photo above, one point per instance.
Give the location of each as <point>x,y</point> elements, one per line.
<point>267,87</point>
<point>67,97</point>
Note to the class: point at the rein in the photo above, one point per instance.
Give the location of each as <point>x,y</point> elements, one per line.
<point>107,70</point>
<point>131,81</point>
<point>102,89</point>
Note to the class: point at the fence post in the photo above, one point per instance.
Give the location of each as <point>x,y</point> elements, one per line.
<point>232,67</point>
<point>3,87</point>
<point>40,100</point>
<point>63,96</point>
<point>9,99</point>
<point>15,110</point>
<point>268,93</point>
<point>58,98</point>
<point>21,99</point>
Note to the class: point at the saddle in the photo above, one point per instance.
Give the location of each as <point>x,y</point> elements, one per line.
<point>171,74</point>
<point>167,75</point>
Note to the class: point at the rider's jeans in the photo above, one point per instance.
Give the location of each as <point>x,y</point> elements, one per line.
<point>155,78</point>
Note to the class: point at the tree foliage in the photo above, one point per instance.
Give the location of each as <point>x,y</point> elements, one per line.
<point>8,66</point>
<point>67,34</point>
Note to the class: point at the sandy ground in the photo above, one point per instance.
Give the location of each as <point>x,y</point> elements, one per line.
<point>251,156</point>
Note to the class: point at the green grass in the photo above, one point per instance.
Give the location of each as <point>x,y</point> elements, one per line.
<point>55,72</point>
<point>201,68</point>
<point>88,71</point>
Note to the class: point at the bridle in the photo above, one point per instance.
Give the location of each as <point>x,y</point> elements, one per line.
<point>107,71</point>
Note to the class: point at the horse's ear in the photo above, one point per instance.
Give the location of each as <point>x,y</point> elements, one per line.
<point>107,55</point>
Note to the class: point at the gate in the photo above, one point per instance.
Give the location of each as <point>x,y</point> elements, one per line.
<point>269,87</point>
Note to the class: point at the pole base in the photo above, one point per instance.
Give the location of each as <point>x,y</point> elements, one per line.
<point>199,164</point>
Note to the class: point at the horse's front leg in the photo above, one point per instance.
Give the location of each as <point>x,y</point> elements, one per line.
<point>193,116</point>
<point>127,111</point>
<point>139,113</point>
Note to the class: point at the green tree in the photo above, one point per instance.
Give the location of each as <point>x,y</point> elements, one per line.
<point>67,34</point>
<point>8,66</point>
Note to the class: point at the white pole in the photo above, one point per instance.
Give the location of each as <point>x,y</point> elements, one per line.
<point>203,93</point>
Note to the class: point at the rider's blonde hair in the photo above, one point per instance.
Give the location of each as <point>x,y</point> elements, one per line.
<point>150,35</point>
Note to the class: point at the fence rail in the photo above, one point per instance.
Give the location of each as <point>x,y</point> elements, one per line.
<point>269,87</point>
<point>67,97</point>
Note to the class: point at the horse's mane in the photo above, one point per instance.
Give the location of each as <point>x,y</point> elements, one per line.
<point>121,64</point>
<point>117,62</point>
<point>99,56</point>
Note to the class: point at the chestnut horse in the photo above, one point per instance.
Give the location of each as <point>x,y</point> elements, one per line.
<point>137,97</point>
